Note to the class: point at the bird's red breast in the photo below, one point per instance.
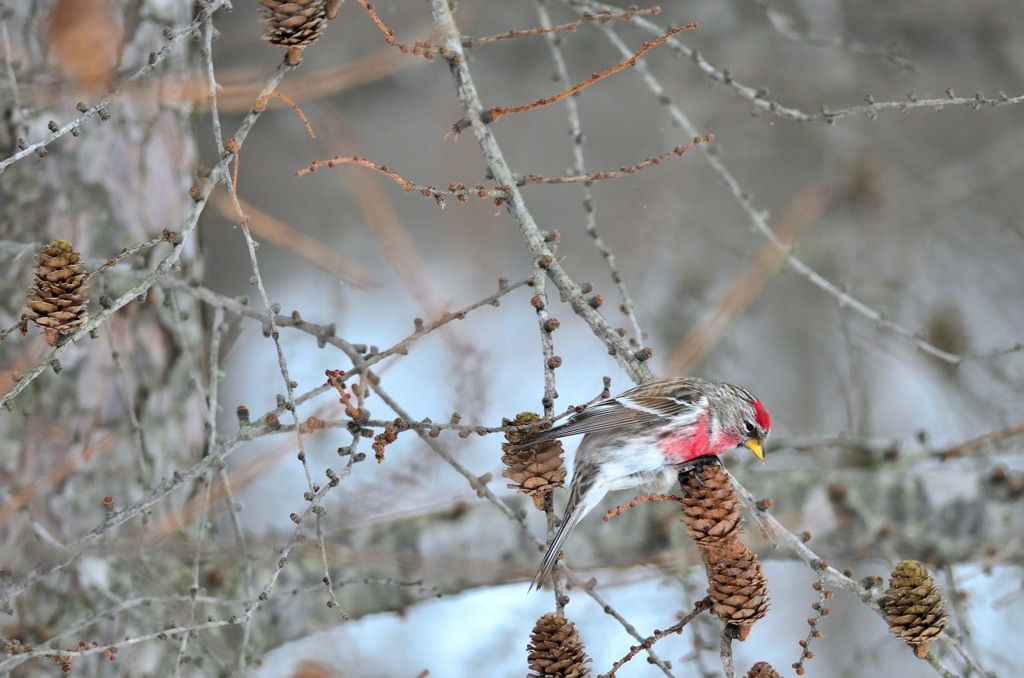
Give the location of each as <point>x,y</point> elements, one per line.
<point>689,443</point>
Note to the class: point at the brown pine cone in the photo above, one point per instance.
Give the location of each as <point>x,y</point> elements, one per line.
<point>711,508</point>
<point>294,24</point>
<point>57,301</point>
<point>555,650</point>
<point>762,670</point>
<point>736,584</point>
<point>535,470</point>
<point>913,606</point>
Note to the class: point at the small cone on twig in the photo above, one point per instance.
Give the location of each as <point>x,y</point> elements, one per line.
<point>294,24</point>
<point>711,509</point>
<point>535,470</point>
<point>913,606</point>
<point>736,585</point>
<point>763,670</point>
<point>57,300</point>
<point>555,650</point>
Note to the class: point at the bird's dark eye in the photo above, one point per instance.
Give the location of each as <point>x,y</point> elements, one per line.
<point>749,426</point>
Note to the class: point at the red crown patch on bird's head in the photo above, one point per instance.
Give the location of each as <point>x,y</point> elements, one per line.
<point>761,414</point>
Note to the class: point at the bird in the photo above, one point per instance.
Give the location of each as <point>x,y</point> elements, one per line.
<point>645,436</point>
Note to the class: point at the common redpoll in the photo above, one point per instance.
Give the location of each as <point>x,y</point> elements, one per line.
<point>646,436</point>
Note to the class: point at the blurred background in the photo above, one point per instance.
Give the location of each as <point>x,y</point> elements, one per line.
<point>910,218</point>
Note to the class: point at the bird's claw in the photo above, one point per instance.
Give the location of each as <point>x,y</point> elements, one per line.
<point>695,467</point>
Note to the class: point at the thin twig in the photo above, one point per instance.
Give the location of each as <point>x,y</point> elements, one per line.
<point>145,457</point>
<point>619,510</point>
<point>588,588</point>
<point>546,326</point>
<point>546,28</point>
<point>937,664</point>
<point>628,360</point>
<point>821,609</point>
<point>627,306</point>
<point>392,234</point>
<point>678,151</point>
<point>492,114</point>
<point>498,193</point>
<point>647,643</point>
<point>261,103</point>
<point>420,48</point>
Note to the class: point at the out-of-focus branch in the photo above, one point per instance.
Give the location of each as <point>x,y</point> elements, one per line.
<point>805,209</point>
<point>298,243</point>
<point>384,223</point>
<point>56,475</point>
<point>238,96</point>
<point>763,104</point>
<point>757,218</point>
<point>784,24</point>
<point>981,442</point>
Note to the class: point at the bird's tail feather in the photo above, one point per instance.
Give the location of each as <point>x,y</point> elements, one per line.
<point>547,563</point>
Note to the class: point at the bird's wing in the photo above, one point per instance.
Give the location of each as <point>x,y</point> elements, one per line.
<point>607,414</point>
<point>634,407</point>
<point>667,405</point>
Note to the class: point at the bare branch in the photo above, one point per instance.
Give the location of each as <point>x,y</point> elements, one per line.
<point>532,235</point>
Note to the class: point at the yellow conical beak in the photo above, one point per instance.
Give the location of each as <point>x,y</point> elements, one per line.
<point>754,447</point>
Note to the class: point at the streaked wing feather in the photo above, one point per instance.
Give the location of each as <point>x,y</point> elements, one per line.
<point>602,417</point>
<point>663,406</point>
<point>625,410</point>
<point>605,415</point>
<point>631,408</point>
